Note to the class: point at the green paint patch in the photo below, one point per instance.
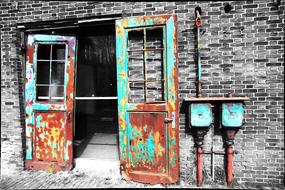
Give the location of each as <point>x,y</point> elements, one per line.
<point>29,149</point>
<point>144,150</point>
<point>150,147</point>
<point>173,160</point>
<point>38,121</point>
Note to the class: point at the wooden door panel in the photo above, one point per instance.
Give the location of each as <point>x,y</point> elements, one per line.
<point>147,138</point>
<point>49,136</point>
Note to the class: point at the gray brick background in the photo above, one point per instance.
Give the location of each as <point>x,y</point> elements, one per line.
<point>242,53</point>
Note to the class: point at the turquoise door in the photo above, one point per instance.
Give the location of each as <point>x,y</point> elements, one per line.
<point>147,83</point>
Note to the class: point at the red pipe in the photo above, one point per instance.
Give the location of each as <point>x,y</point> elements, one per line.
<point>199,165</point>
<point>229,165</point>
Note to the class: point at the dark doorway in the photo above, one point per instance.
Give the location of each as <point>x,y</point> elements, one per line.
<point>96,91</point>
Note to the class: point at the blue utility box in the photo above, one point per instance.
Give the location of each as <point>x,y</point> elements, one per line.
<point>232,114</point>
<point>200,115</point>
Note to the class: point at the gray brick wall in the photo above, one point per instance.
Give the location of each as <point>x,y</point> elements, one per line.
<point>242,53</point>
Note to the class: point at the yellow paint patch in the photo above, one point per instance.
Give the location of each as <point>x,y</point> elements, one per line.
<point>125,139</point>
<point>123,103</point>
<point>119,30</point>
<point>54,133</point>
<point>139,20</point>
<point>124,22</point>
<point>123,75</point>
<point>122,123</point>
<point>159,149</point>
<point>156,137</point>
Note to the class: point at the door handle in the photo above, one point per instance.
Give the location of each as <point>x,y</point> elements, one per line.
<point>168,120</point>
<point>171,120</point>
<point>68,115</point>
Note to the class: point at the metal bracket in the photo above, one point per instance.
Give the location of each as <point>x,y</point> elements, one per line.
<point>172,119</point>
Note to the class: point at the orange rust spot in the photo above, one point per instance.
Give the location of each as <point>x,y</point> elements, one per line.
<point>172,134</point>
<point>122,123</point>
<point>139,19</point>
<point>121,60</point>
<point>124,22</point>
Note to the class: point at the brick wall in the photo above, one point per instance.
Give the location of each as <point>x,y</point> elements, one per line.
<point>242,53</point>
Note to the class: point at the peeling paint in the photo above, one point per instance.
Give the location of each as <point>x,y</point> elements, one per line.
<point>49,134</point>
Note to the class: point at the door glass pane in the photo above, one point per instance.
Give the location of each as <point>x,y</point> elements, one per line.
<point>58,51</point>
<point>50,72</point>
<point>136,92</point>
<point>42,93</point>
<point>135,66</point>
<point>43,51</point>
<point>43,70</point>
<point>56,93</point>
<point>154,38</point>
<point>57,73</point>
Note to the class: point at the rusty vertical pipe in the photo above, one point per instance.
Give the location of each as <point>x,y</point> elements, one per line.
<point>229,165</point>
<point>199,165</point>
<point>198,25</point>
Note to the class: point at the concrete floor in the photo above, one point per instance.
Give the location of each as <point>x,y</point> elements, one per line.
<point>100,156</point>
<point>102,147</point>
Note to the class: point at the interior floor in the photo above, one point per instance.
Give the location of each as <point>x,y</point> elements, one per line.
<point>99,146</point>
<point>99,155</point>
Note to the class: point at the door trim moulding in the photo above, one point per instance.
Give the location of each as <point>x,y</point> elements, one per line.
<point>65,23</point>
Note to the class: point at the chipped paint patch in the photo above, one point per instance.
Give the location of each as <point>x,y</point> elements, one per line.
<point>67,152</point>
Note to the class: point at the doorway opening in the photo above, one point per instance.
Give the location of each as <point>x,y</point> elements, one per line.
<point>96,120</point>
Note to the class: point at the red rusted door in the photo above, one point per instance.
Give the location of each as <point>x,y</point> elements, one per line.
<point>49,87</point>
<point>146,50</point>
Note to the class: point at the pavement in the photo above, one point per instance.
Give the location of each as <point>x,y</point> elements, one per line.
<point>76,179</point>
<point>98,167</point>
